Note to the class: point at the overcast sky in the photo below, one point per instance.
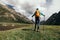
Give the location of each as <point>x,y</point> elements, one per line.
<point>27,7</point>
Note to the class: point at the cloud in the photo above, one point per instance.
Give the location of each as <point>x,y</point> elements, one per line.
<point>52,7</point>
<point>49,3</point>
<point>27,7</point>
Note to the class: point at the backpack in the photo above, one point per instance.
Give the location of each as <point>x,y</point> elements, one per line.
<point>37,14</point>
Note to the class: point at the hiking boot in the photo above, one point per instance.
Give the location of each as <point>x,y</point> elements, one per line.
<point>34,30</point>
<point>38,30</point>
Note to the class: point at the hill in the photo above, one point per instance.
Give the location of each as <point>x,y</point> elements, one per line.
<point>8,14</point>
<point>54,19</point>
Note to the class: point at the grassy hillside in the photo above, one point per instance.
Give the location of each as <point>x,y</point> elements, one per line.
<point>25,32</point>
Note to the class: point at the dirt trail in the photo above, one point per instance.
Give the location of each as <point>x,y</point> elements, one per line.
<point>3,28</point>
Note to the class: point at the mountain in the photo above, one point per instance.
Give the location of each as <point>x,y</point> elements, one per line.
<point>9,6</point>
<point>8,14</point>
<point>54,19</point>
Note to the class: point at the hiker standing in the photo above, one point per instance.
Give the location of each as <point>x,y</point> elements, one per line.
<point>37,19</point>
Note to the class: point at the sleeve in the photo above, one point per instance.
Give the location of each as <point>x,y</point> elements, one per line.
<point>42,14</point>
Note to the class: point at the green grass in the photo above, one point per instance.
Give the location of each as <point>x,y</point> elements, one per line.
<point>25,33</point>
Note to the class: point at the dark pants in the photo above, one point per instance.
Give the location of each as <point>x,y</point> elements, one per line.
<point>37,23</point>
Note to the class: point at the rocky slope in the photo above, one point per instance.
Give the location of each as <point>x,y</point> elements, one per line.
<point>10,15</point>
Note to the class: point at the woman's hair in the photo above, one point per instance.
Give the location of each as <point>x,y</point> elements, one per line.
<point>37,9</point>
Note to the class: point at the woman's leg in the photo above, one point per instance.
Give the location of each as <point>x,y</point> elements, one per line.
<point>35,24</point>
<point>38,24</point>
